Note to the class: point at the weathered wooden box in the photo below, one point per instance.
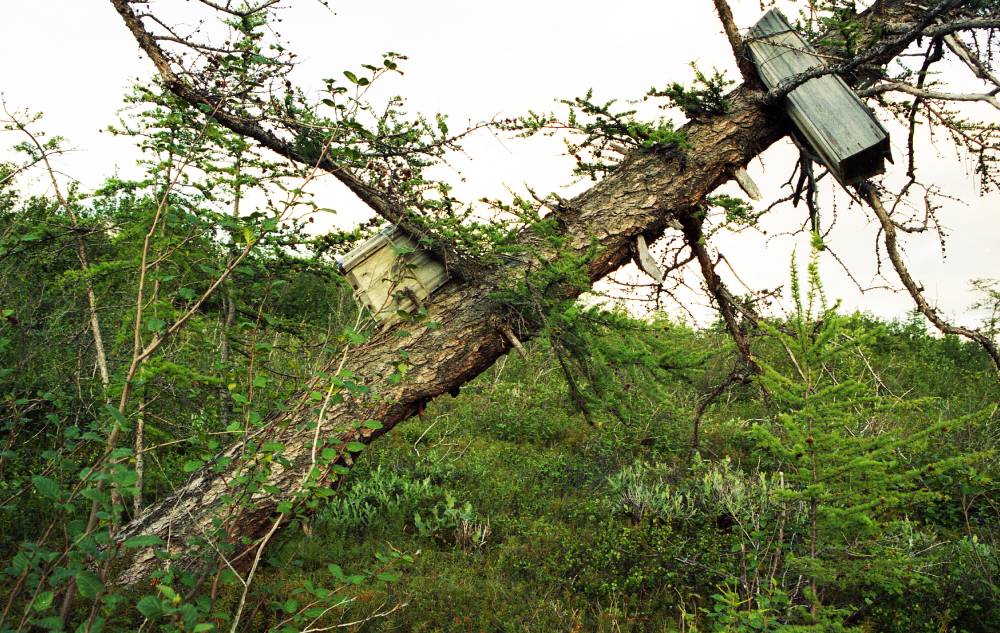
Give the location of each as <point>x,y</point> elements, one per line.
<point>841,130</point>
<point>390,274</point>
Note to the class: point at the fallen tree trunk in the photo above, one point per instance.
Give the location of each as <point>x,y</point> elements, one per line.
<point>638,198</point>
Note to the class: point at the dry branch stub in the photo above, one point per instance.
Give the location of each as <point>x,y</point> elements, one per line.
<point>391,274</point>
<point>839,128</point>
<point>746,183</point>
<point>645,260</point>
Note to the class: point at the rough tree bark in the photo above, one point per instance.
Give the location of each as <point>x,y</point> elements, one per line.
<point>647,190</point>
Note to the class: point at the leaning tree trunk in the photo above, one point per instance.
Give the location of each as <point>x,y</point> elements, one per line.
<point>638,198</point>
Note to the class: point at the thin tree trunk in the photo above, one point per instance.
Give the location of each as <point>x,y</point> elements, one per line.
<point>140,454</point>
<point>140,421</point>
<point>228,317</point>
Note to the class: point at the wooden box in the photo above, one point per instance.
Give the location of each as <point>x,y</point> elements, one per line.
<point>841,130</point>
<point>390,274</point>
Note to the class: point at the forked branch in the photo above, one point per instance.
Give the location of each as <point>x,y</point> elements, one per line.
<point>869,194</point>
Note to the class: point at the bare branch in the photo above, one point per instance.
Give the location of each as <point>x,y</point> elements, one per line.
<point>949,27</point>
<point>723,298</point>
<point>971,60</point>
<point>735,40</point>
<point>899,86</point>
<point>873,54</point>
<point>869,194</point>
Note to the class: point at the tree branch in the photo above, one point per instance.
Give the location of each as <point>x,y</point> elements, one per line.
<point>869,194</point>
<point>874,54</point>
<point>899,86</point>
<point>377,200</point>
<point>735,41</point>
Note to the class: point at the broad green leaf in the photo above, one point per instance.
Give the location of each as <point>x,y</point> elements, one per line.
<point>353,336</point>
<point>45,486</point>
<point>88,584</point>
<point>51,623</point>
<point>192,465</point>
<point>155,325</point>
<point>150,606</point>
<point>143,540</point>
<point>43,601</point>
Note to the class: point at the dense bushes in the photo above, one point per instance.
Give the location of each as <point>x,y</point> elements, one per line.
<point>853,486</point>
<point>619,526</point>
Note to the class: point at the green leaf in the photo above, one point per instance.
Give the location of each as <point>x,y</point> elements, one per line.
<point>150,606</point>
<point>43,601</point>
<point>192,465</point>
<point>355,447</point>
<point>169,592</point>
<point>116,414</point>
<point>353,336</point>
<point>143,540</point>
<point>46,487</point>
<point>284,507</point>
<point>187,294</point>
<point>373,425</point>
<point>51,623</point>
<point>388,576</point>
<point>202,627</point>
<point>88,584</point>
<point>155,325</point>
<point>351,76</point>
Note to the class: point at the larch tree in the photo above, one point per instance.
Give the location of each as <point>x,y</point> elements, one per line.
<point>535,255</point>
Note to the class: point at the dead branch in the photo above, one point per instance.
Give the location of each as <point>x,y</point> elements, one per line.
<point>869,194</point>
<point>735,40</point>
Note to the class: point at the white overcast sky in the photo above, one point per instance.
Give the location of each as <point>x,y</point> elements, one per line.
<point>73,60</point>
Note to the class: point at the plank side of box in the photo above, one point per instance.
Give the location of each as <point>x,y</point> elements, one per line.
<point>382,268</point>
<point>833,120</point>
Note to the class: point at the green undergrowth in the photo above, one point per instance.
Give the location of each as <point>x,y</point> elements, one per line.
<point>522,516</point>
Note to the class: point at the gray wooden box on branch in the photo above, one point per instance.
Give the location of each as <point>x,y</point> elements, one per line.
<point>391,275</point>
<point>839,128</point>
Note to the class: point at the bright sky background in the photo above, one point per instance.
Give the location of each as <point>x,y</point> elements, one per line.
<point>74,59</point>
